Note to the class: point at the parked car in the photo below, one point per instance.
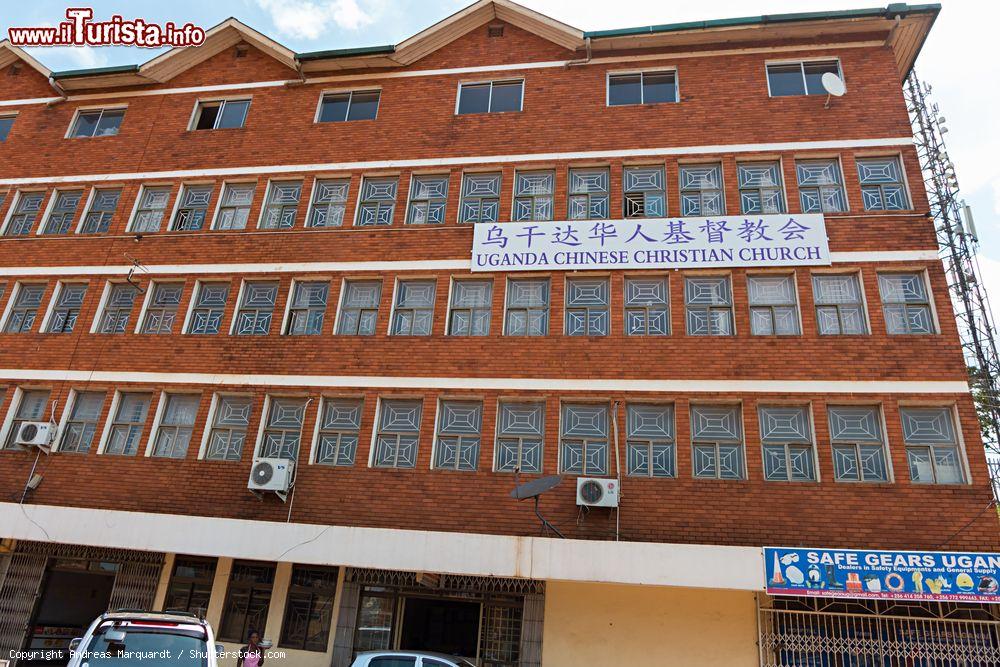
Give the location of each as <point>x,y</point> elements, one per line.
<point>153,639</point>
<point>409,659</point>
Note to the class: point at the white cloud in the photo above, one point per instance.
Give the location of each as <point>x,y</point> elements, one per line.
<point>311,19</point>
<point>78,57</point>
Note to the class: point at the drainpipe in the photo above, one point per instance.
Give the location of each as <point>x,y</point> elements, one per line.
<point>583,61</point>
<point>892,30</point>
<point>59,89</point>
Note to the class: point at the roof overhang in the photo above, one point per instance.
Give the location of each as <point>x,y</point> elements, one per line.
<point>10,53</point>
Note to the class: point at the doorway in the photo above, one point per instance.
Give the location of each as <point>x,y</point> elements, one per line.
<point>440,625</point>
<point>70,601</point>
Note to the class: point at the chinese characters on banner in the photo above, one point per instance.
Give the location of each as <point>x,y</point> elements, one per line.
<point>760,240</point>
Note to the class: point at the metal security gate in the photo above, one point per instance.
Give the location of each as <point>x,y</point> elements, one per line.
<point>801,632</point>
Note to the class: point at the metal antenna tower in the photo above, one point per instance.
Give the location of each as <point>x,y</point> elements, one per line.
<point>957,243</point>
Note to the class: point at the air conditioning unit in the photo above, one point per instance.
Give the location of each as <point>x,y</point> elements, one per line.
<point>273,475</point>
<point>35,434</point>
<point>591,492</point>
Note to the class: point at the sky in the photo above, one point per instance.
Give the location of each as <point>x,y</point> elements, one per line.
<point>959,59</point>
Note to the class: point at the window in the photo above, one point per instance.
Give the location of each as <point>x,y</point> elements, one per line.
<point>801,78</point>
<point>32,407</point>
<point>150,209</point>
<point>650,440</point>
<point>283,429</point>
<point>413,314</point>
<point>78,434</point>
<point>190,585</point>
<point>527,307</point>
<point>587,306</point>
<point>701,190</point>
<point>588,194</point>
<point>821,190</point>
<point>839,308</point>
<point>26,300</point>
<point>471,308</point>
<point>247,601</point>
<point>647,307</point>
<point>905,303</point>
<point>129,421</point>
<point>309,608</point>
<point>932,449</point>
<point>192,211</point>
<point>428,200</point>
<point>760,187</point>
<point>858,445</point>
<point>786,435</point>
<point>329,201</point>
<point>176,425</point>
<point>459,429</point>
<point>97,123</point>
<point>644,195</point>
<point>398,433</point>
<point>520,429</point>
<point>359,307</point>
<point>339,429</point>
<point>6,123</point>
<point>60,218</point>
<point>24,211</point>
<point>118,308</point>
<point>882,186</point>
<point>282,205</point>
<point>103,205</point>
<point>353,105</point>
<point>307,308</point>
<point>774,309</point>
<point>709,306</point>
<point>162,309</point>
<point>208,308</point>
<point>69,300</point>
<point>533,195</point>
<point>480,198</point>
<point>717,441</point>
<point>490,97</point>
<point>378,201</point>
<point>253,318</point>
<point>230,420</point>
<point>642,88</point>
<point>583,445</point>
<point>234,205</point>
<point>221,115</point>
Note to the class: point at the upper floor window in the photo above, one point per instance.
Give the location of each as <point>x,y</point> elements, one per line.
<point>413,314</point>
<point>192,208</point>
<point>799,78</point>
<point>78,434</point>
<point>480,198</point>
<point>97,123</point>
<point>281,205</point>
<point>533,192</point>
<point>117,308</point>
<point>520,430</point>
<point>31,407</point>
<point>840,309</point>
<point>23,213</point>
<point>858,444</point>
<point>398,433</point>
<point>62,211</point>
<point>307,308</point>
<point>647,307</point>
<point>208,307</point>
<point>283,428</point>
<point>351,105</point>
<point>882,187</point>
<point>786,435</point>
<point>709,306</point>
<point>339,430</point>
<point>490,97</point>
<point>378,201</point>
<point>905,303</point>
<point>359,307</point>
<point>588,307</point>
<point>256,308</point>
<point>717,441</point>
<point>471,308</point>
<point>760,187</point>
<point>6,123</point>
<point>161,312</point>
<point>459,431</point>
<point>329,201</point>
<point>642,88</point>
<point>774,309</point>
<point>527,307</point>
<point>588,194</point>
<point>220,114</point>
<point>25,301</point>
<point>583,444</point>
<point>428,200</point>
<point>68,302</point>
<point>234,205</point>
<point>103,204</point>
<point>821,189</point>
<point>650,443</point>
<point>173,435</point>
<point>701,190</point>
<point>643,192</point>
<point>230,421</point>
<point>150,208</point>
<point>932,447</point>
<point>128,423</point>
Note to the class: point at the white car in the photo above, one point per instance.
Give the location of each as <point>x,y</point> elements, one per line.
<point>152,639</point>
<point>408,659</point>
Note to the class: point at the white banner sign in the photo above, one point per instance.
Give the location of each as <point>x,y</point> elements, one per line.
<point>761,240</point>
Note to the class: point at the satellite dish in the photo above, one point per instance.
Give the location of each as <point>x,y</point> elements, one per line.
<point>534,489</point>
<point>833,84</point>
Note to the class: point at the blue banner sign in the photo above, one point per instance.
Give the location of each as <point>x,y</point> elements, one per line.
<point>676,243</point>
<point>884,575</point>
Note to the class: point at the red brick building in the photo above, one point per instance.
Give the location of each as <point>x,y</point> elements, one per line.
<point>235,252</point>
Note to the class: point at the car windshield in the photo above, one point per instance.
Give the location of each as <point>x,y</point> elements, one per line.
<point>151,647</point>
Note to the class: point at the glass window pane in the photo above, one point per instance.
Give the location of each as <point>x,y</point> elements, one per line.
<point>86,123</point>
<point>6,123</point>
<point>625,89</point>
<point>233,114</point>
<point>334,107</point>
<point>658,87</point>
<point>474,98</point>
<point>814,75</point>
<point>364,105</point>
<point>109,123</point>
<point>785,80</point>
<point>506,96</point>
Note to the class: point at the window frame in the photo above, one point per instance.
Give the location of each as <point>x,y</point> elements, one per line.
<point>710,308</point>
<point>534,197</point>
<point>547,279</point>
<point>12,116</point>
<point>681,166</point>
<point>377,431</point>
<point>265,418</point>
<point>472,310</point>
<point>177,208</point>
<point>802,62</point>
<point>842,185</point>
<point>660,277</point>
<point>904,182</point>
<point>159,427</point>
<point>786,444</point>
<point>50,211</point>
<point>222,101</point>
<point>856,444</point>
<point>8,430</point>
<point>313,206</point>
<point>147,305</point>
<point>379,203</point>
<point>288,318</point>
<point>779,165</point>
<point>489,104</point>
<point>67,421</point>
<point>111,422</point>
<point>462,197</point>
<point>921,274</point>
<point>91,109</point>
<point>770,307</point>
<point>313,593</point>
<point>587,441</point>
<point>717,443</point>
<point>210,426</point>
<point>859,278</point>
<point>234,324</point>
<point>193,306</point>
<point>53,305</point>
<point>136,207</point>
<point>498,436</point>
<point>88,208</point>
<point>648,442</point>
<point>103,304</point>
<point>661,168</point>
<point>587,309</point>
<point>191,583</point>
<point>460,437</point>
<point>319,431</point>
<point>396,308</point>
<point>341,299</point>
<point>250,588</point>
<point>12,210</point>
<point>411,199</point>
<point>15,293</point>
<point>266,204</point>
<point>642,88</point>
<point>219,206</point>
<point>350,102</point>
<point>959,445</point>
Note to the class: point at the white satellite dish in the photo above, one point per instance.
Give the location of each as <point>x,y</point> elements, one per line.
<point>833,85</point>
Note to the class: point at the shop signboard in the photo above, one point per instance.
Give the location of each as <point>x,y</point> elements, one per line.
<point>883,575</point>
